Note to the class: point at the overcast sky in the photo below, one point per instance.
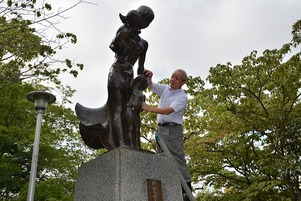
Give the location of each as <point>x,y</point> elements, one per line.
<point>190,34</point>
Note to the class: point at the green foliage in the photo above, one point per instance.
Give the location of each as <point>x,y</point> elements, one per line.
<point>296,32</point>
<point>61,149</point>
<point>251,145</point>
<point>27,55</point>
<point>27,50</point>
<point>52,189</point>
<point>242,134</point>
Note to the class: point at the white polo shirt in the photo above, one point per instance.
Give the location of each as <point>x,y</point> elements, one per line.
<point>177,99</point>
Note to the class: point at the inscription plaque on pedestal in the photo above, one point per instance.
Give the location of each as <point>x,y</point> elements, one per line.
<point>154,190</point>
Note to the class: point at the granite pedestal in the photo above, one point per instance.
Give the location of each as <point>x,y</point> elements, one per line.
<point>125,174</point>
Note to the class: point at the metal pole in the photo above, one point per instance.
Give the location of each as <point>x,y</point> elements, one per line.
<point>34,161</point>
<point>41,99</point>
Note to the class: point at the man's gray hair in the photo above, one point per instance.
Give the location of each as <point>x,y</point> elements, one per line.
<point>185,77</point>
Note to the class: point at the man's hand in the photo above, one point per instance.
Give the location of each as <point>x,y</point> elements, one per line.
<point>144,106</point>
<point>149,75</point>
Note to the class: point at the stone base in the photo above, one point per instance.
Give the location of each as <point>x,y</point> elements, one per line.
<point>125,174</point>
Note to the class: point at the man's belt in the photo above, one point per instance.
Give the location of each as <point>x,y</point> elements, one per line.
<point>169,124</point>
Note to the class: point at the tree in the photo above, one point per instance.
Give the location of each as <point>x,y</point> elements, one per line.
<point>27,53</point>
<point>251,146</point>
<point>61,149</point>
<point>242,134</point>
<point>27,50</point>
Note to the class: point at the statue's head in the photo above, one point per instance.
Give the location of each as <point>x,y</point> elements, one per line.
<point>132,19</point>
<point>140,83</point>
<point>147,15</point>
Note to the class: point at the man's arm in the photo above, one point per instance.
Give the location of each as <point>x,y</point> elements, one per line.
<point>149,108</point>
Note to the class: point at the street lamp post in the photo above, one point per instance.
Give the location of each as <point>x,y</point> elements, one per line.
<point>41,99</point>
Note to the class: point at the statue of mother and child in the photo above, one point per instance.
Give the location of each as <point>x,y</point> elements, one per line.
<point>117,123</point>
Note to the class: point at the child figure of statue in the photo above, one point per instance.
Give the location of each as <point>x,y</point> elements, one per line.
<point>133,110</point>
<point>127,36</point>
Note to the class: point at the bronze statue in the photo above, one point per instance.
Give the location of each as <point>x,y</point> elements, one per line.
<point>117,123</point>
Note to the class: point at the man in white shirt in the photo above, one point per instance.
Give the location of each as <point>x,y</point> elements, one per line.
<point>170,111</point>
